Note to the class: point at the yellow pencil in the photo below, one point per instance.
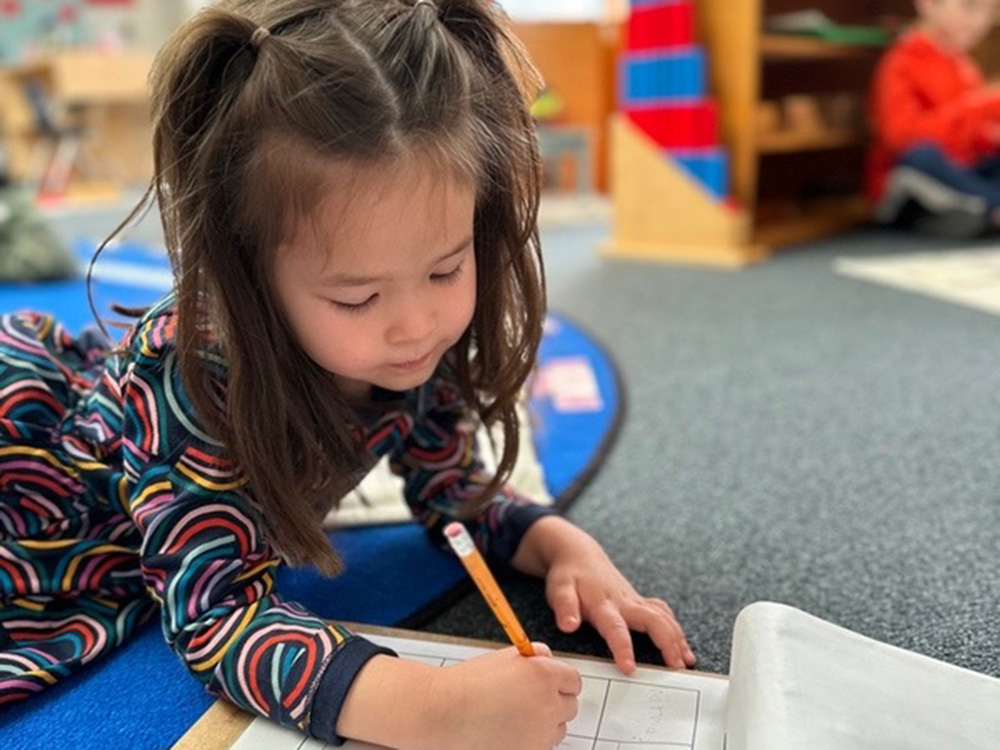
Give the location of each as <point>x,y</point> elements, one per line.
<point>460,541</point>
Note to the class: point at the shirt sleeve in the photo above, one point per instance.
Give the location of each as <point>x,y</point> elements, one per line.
<point>206,562</point>
<point>442,473</point>
<point>913,105</point>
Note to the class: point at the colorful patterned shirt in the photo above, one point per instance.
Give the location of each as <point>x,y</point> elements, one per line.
<point>114,500</point>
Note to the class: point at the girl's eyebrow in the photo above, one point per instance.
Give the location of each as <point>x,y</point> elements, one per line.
<point>341,279</point>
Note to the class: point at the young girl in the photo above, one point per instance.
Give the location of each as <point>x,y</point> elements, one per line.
<point>348,191</point>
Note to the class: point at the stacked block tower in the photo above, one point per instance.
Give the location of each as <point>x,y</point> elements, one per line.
<point>669,175</point>
<point>663,90</point>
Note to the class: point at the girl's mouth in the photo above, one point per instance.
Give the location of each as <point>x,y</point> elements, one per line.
<point>413,364</point>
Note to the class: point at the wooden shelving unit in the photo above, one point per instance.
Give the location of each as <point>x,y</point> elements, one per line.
<point>796,171</point>
<point>819,140</point>
<point>794,183</point>
<point>812,220</point>
<point>787,47</point>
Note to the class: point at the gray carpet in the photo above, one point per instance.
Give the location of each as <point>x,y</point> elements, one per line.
<point>791,436</point>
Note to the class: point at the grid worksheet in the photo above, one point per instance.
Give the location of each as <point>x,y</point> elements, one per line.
<point>654,709</point>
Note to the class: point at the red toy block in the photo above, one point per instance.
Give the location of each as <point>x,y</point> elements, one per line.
<point>680,126</point>
<point>661,26</point>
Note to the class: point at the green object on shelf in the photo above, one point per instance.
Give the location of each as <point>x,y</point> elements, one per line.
<point>817,24</point>
<point>859,36</point>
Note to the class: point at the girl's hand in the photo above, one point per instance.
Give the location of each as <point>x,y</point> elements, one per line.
<point>503,700</point>
<point>581,582</point>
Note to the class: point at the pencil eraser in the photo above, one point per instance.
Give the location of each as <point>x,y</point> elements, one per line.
<point>459,539</point>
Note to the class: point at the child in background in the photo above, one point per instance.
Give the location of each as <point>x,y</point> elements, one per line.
<point>936,155</point>
<point>349,192</point>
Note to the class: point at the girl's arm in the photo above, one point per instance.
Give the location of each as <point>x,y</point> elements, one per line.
<point>206,560</point>
<point>404,685</point>
<point>441,470</point>
<point>546,540</point>
<point>439,462</point>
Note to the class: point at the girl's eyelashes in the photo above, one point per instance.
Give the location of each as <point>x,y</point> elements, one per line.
<point>446,278</point>
<point>355,307</point>
<point>437,278</point>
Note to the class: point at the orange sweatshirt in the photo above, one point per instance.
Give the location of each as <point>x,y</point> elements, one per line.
<point>923,94</point>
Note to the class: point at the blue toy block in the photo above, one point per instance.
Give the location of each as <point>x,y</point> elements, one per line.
<point>662,77</point>
<point>710,167</point>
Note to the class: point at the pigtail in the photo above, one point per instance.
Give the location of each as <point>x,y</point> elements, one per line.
<point>203,139</point>
<point>189,79</point>
<point>195,79</point>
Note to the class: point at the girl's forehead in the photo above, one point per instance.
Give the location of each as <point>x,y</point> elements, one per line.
<point>381,214</point>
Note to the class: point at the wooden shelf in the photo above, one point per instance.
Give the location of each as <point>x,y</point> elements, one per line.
<point>792,142</point>
<point>819,219</point>
<point>793,47</point>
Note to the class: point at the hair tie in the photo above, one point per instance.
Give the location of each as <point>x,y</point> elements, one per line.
<point>429,3</point>
<point>258,36</point>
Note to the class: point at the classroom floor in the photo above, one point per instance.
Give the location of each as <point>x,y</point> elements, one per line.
<point>791,435</point>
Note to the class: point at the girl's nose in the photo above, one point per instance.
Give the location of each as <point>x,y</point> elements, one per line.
<point>411,325</point>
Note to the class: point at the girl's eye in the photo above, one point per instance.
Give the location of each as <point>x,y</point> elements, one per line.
<point>445,278</point>
<point>355,307</point>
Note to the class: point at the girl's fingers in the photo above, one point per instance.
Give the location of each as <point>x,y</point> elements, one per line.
<point>661,605</point>
<point>541,649</point>
<point>665,632</point>
<point>560,734</point>
<point>612,626</point>
<point>569,708</point>
<point>565,603</point>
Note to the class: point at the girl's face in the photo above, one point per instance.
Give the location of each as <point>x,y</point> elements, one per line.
<point>381,280</point>
<point>959,25</point>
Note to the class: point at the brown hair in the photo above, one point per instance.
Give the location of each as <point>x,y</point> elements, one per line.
<point>248,98</point>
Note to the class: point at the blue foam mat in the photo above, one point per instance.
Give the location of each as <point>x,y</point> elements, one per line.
<point>142,696</point>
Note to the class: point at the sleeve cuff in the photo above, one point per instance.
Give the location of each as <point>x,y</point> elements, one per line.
<point>336,681</point>
<point>513,521</point>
